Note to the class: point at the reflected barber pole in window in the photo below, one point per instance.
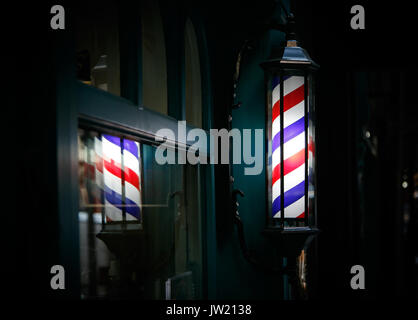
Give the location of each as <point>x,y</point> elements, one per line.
<point>293,147</point>
<point>111,177</point>
<point>121,178</point>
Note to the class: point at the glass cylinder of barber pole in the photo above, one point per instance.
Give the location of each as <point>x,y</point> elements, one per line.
<point>290,138</point>
<point>121,179</point>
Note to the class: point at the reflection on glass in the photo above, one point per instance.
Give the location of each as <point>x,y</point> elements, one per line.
<point>111,172</point>
<point>311,153</point>
<point>154,65</point>
<point>96,29</point>
<point>140,222</point>
<point>193,86</point>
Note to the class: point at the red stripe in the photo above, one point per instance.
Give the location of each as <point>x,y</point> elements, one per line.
<point>311,145</point>
<point>132,177</point>
<point>289,164</point>
<point>99,163</point>
<point>112,167</point>
<point>276,173</point>
<point>89,171</point>
<point>302,215</point>
<point>294,161</point>
<point>289,101</point>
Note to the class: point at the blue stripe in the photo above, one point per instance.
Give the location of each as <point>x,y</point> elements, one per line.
<point>116,199</point>
<point>131,146</point>
<point>128,145</point>
<point>113,139</point>
<point>113,197</point>
<point>290,197</point>
<point>276,81</point>
<point>132,209</point>
<point>290,132</point>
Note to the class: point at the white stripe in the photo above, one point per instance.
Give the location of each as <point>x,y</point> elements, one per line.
<point>290,116</point>
<point>290,84</point>
<point>112,182</point>
<point>294,210</point>
<point>291,147</point>
<point>92,156</point>
<point>275,158</point>
<point>292,179</point>
<point>98,146</point>
<point>275,191</point>
<point>99,179</point>
<point>132,193</point>
<point>115,214</point>
<point>131,162</point>
<point>111,150</point>
<point>130,217</point>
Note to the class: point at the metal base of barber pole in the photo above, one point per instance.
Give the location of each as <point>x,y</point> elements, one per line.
<point>291,241</point>
<point>130,250</point>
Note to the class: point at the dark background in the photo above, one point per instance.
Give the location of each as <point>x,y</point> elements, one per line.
<point>367,79</point>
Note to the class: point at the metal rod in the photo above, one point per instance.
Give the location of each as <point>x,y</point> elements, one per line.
<point>281,152</point>
<point>314,155</point>
<point>269,151</point>
<point>122,140</point>
<point>306,86</point>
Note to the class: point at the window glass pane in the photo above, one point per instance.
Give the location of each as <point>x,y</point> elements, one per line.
<point>154,77</point>
<point>97,44</point>
<point>293,149</point>
<point>193,92</point>
<point>140,222</point>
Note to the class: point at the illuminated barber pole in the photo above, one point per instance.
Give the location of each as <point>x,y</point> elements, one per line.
<point>293,147</point>
<point>121,179</point>
<point>290,138</point>
<point>132,185</point>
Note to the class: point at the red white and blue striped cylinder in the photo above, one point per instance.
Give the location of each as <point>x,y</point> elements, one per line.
<point>293,145</point>
<point>121,178</point>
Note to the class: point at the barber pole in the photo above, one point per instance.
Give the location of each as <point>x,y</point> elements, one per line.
<point>121,179</point>
<point>293,144</point>
<point>289,74</point>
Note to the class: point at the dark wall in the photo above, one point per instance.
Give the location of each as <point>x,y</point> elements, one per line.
<point>363,86</point>
<point>30,128</point>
